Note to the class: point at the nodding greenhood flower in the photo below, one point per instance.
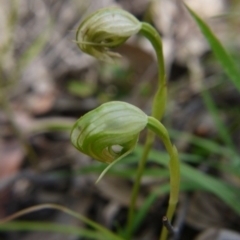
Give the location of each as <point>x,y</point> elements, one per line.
<point>104,29</point>
<point>109,132</point>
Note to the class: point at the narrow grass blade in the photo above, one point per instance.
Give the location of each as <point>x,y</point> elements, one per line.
<point>51,227</point>
<point>224,191</point>
<point>221,54</point>
<point>123,172</point>
<point>221,127</point>
<point>104,231</point>
<point>207,144</point>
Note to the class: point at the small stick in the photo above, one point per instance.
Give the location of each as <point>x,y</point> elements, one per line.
<point>168,225</point>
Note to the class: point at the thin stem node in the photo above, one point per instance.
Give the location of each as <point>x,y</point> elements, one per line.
<point>168,225</point>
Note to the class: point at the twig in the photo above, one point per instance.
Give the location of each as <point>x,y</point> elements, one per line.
<point>168,225</point>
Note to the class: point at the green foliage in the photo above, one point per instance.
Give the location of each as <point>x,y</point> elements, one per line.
<point>43,227</point>
<point>220,52</point>
<point>51,227</point>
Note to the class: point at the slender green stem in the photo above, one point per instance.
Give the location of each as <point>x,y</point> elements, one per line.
<point>137,182</point>
<point>158,108</point>
<point>159,101</point>
<point>174,168</point>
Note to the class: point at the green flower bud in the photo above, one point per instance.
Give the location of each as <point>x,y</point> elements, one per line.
<point>104,29</point>
<point>109,132</point>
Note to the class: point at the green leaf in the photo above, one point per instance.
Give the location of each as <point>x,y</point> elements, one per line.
<point>51,227</point>
<point>221,54</point>
<point>221,127</point>
<point>224,191</point>
<point>101,229</point>
<point>207,144</point>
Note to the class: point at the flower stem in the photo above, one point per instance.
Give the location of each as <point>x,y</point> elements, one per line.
<point>137,182</point>
<point>174,168</point>
<point>158,108</point>
<point>159,101</point>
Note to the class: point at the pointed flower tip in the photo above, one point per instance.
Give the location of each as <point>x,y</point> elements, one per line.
<point>106,28</point>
